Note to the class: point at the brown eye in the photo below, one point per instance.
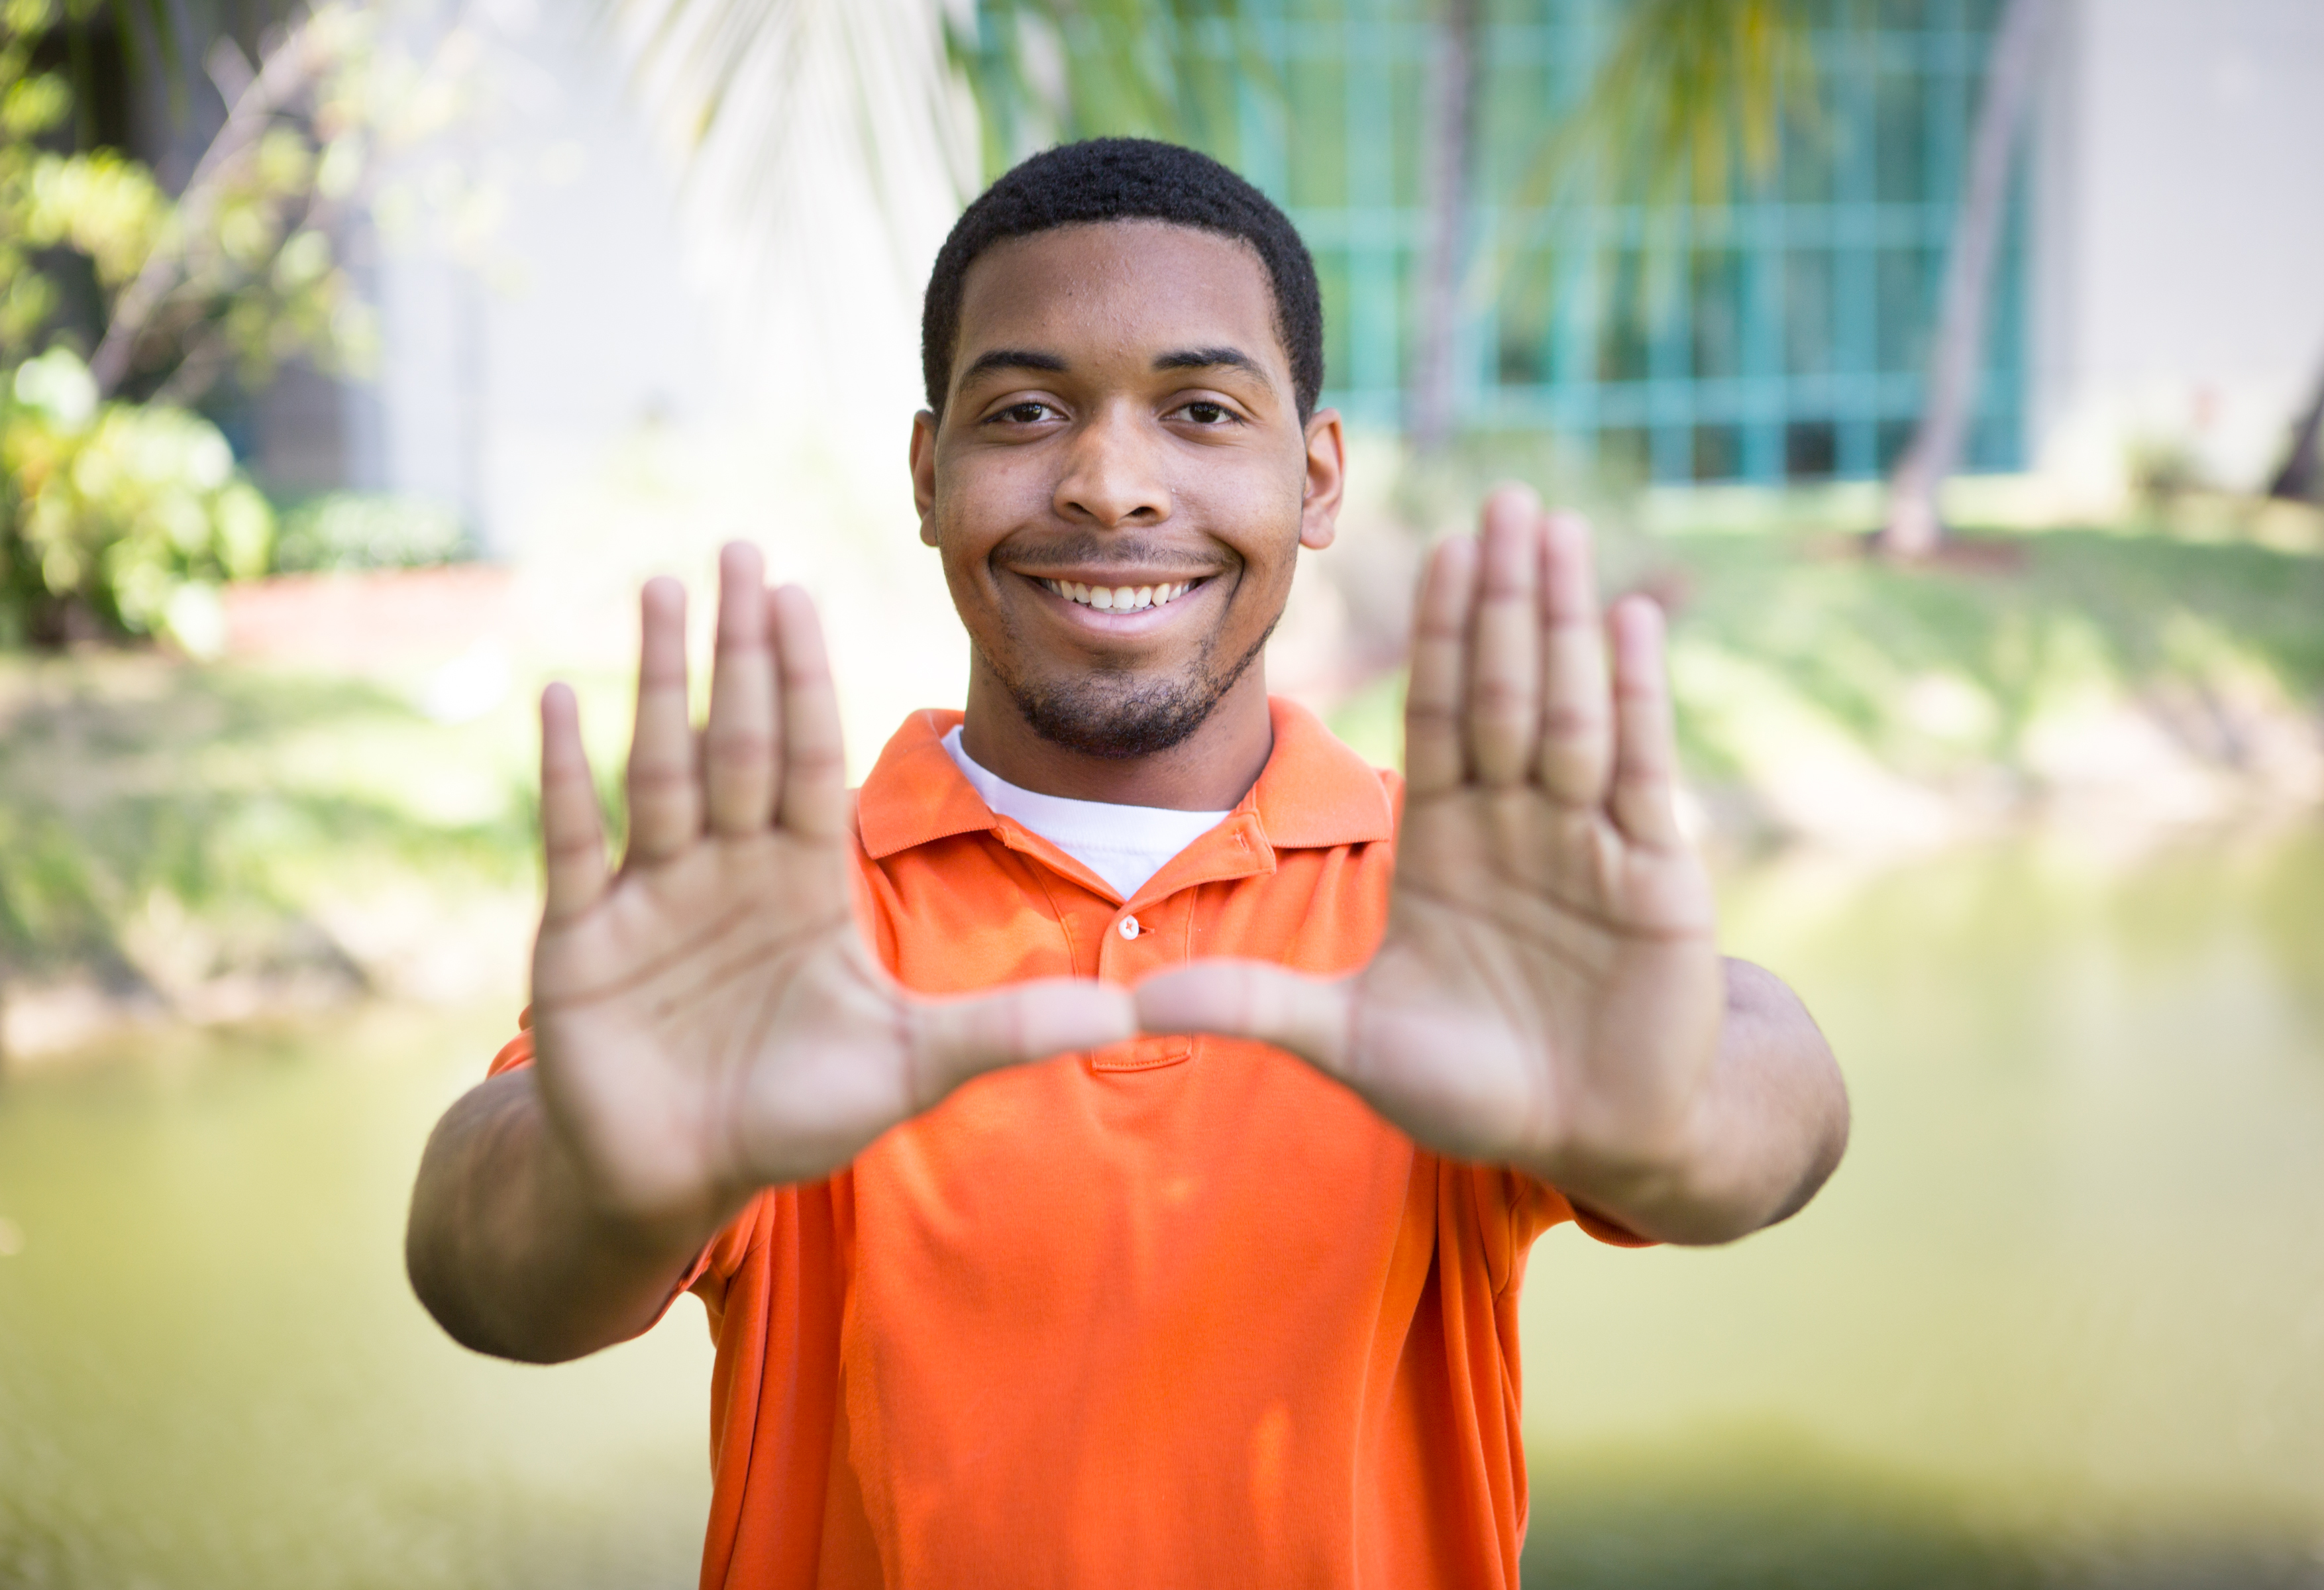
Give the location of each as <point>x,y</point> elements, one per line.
<point>1205,413</point>
<point>1025,413</point>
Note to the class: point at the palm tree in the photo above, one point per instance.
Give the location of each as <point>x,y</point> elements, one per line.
<point>1915,527</point>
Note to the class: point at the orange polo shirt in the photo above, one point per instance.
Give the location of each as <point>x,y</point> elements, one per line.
<point>1176,1312</point>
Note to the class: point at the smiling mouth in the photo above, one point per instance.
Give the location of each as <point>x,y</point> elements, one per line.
<point>1119,598</point>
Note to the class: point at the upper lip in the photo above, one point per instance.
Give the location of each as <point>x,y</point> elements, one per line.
<point>1114,576</point>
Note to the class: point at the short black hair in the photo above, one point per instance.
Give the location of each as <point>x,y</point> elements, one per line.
<point>1128,179</point>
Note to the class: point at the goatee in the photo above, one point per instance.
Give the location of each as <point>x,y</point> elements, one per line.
<point>1118,715</point>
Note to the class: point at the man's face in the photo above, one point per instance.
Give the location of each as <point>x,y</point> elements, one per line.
<point>1121,481</point>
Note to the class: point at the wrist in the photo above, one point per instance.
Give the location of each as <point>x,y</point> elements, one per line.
<point>1662,1167</point>
<point>631,1221</point>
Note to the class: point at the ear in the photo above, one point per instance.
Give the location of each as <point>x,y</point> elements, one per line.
<point>924,473</point>
<point>1327,480</point>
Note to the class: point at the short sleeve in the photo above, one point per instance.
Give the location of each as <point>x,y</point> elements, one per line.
<point>518,1050</point>
<point>1534,1205</point>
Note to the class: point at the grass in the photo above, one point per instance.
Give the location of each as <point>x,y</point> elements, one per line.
<point>1941,667</point>
<point>132,787</point>
<point>1784,647</point>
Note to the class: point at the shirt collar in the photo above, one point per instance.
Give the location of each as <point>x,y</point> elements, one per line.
<point>1313,793</point>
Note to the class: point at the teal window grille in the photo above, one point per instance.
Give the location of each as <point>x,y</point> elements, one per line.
<point>1783,337</point>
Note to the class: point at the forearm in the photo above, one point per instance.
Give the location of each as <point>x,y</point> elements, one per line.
<point>1764,1131</point>
<point>509,1253</point>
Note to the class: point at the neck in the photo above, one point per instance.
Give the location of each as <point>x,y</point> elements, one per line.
<point>1209,770</point>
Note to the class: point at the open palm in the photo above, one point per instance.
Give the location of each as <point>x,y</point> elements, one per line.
<point>1548,993</point>
<point>709,1020</point>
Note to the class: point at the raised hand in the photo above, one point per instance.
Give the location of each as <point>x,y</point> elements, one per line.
<point>1548,994</point>
<point>708,1020</point>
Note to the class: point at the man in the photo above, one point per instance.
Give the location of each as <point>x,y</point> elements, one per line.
<point>1172,1306</point>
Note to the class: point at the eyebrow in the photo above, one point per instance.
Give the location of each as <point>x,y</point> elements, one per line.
<point>1011,358</point>
<point>1208,358</point>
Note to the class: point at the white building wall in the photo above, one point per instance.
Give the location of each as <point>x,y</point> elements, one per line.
<point>2179,291</point>
<point>609,386</point>
<point>516,351</point>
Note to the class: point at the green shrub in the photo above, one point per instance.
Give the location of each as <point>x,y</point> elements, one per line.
<point>121,518</point>
<point>358,529</point>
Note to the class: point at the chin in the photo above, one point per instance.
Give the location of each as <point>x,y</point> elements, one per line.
<point>1117,723</point>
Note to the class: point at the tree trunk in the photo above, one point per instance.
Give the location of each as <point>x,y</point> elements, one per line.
<point>1914,528</point>
<point>2304,467</point>
<point>1452,139</point>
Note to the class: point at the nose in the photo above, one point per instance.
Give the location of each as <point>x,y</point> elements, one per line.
<point>1110,476</point>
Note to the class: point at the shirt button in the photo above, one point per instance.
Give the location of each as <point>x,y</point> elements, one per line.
<point>1129,928</point>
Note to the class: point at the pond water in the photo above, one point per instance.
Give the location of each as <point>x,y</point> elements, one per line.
<point>2059,1320</point>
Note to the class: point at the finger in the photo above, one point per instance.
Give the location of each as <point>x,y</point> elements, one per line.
<point>738,742</point>
<point>813,769</point>
<point>1645,756</point>
<point>1432,758</point>
<point>572,832</point>
<point>1503,706</point>
<point>954,1039</point>
<point>1577,725</point>
<point>1309,1016</point>
<point>665,785</point>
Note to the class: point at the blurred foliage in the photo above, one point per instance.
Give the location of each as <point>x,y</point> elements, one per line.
<point>121,508</point>
<point>237,272</point>
<point>127,516</point>
<point>1048,71</point>
<point>364,529</point>
<point>1687,105</point>
<point>1950,676</point>
<point>1946,672</point>
<point>132,789</point>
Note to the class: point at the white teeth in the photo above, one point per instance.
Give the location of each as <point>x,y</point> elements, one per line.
<point>1119,598</point>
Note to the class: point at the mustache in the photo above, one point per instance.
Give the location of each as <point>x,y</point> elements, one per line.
<point>1086,548</point>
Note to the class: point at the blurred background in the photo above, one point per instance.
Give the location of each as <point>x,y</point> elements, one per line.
<point>1951,369</point>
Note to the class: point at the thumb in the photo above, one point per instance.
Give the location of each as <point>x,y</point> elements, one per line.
<point>1309,1016</point>
<point>954,1039</point>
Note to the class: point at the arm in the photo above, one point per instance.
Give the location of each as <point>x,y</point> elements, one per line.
<point>706,1023</point>
<point>512,1254</point>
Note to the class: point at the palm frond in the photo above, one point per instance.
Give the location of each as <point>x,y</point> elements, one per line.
<point>803,125</point>
<point>1047,70</point>
<point>1687,105</point>
<point>1687,108</point>
<point>1690,99</point>
<point>806,126</point>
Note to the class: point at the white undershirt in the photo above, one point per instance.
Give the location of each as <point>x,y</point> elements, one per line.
<point>1123,844</point>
